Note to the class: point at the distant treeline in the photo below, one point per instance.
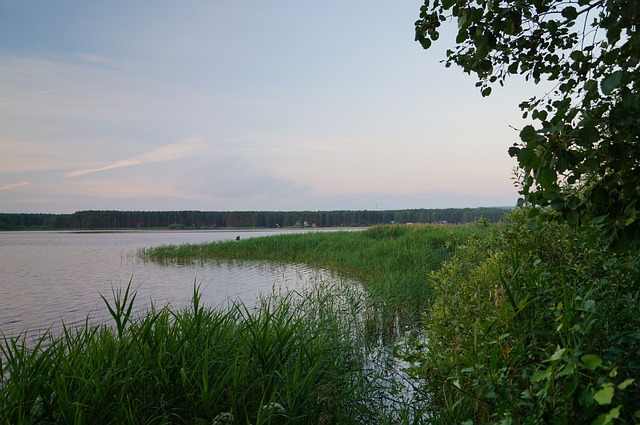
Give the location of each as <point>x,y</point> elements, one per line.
<point>213,219</point>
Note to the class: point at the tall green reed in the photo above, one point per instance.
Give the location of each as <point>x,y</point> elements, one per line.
<point>293,358</point>
<point>391,261</point>
<point>297,357</point>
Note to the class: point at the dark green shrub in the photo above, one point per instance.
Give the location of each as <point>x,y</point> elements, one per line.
<point>533,326</point>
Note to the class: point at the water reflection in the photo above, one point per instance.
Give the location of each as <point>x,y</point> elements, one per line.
<point>47,277</point>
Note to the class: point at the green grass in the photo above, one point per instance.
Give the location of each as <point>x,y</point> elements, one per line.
<point>297,358</point>
<point>392,261</point>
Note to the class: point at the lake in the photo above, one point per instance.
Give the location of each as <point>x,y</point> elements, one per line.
<point>54,276</point>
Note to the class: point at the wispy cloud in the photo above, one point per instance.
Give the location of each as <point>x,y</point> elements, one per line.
<point>35,93</point>
<point>13,185</point>
<point>186,147</point>
<point>100,61</point>
<point>170,152</point>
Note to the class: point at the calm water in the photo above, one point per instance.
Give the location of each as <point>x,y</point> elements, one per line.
<point>47,277</point>
<point>50,277</point>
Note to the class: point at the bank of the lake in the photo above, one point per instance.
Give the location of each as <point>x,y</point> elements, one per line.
<point>298,357</point>
<point>391,261</point>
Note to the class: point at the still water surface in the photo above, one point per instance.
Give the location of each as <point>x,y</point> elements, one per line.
<point>49,277</point>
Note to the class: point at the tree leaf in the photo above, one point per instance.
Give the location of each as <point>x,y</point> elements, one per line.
<point>446,4</point>
<point>611,82</point>
<point>604,395</point>
<point>606,419</point>
<point>624,384</point>
<point>586,398</point>
<point>587,136</point>
<point>528,133</point>
<point>540,375</point>
<point>558,354</point>
<point>590,305</point>
<point>570,13</point>
<point>547,177</point>
<point>591,361</point>
<point>568,370</point>
<point>573,217</point>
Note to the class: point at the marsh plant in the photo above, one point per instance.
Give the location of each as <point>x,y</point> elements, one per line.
<point>392,262</point>
<point>318,355</point>
<point>293,358</point>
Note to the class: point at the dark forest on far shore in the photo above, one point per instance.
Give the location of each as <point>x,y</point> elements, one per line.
<point>238,219</point>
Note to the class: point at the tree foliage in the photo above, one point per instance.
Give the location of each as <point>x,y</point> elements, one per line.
<point>580,157</point>
<point>214,219</point>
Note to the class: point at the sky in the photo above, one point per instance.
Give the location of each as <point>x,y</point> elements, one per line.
<point>226,105</point>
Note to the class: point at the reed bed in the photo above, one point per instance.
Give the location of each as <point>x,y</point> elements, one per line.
<point>391,261</point>
<point>294,358</point>
<point>307,357</point>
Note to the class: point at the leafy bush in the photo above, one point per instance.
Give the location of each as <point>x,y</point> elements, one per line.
<point>533,326</point>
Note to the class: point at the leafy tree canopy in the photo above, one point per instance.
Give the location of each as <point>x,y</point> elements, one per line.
<point>581,157</point>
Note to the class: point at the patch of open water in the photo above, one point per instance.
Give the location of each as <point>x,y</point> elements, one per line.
<point>49,277</point>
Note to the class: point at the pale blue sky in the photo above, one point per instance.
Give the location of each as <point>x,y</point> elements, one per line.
<point>226,105</point>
